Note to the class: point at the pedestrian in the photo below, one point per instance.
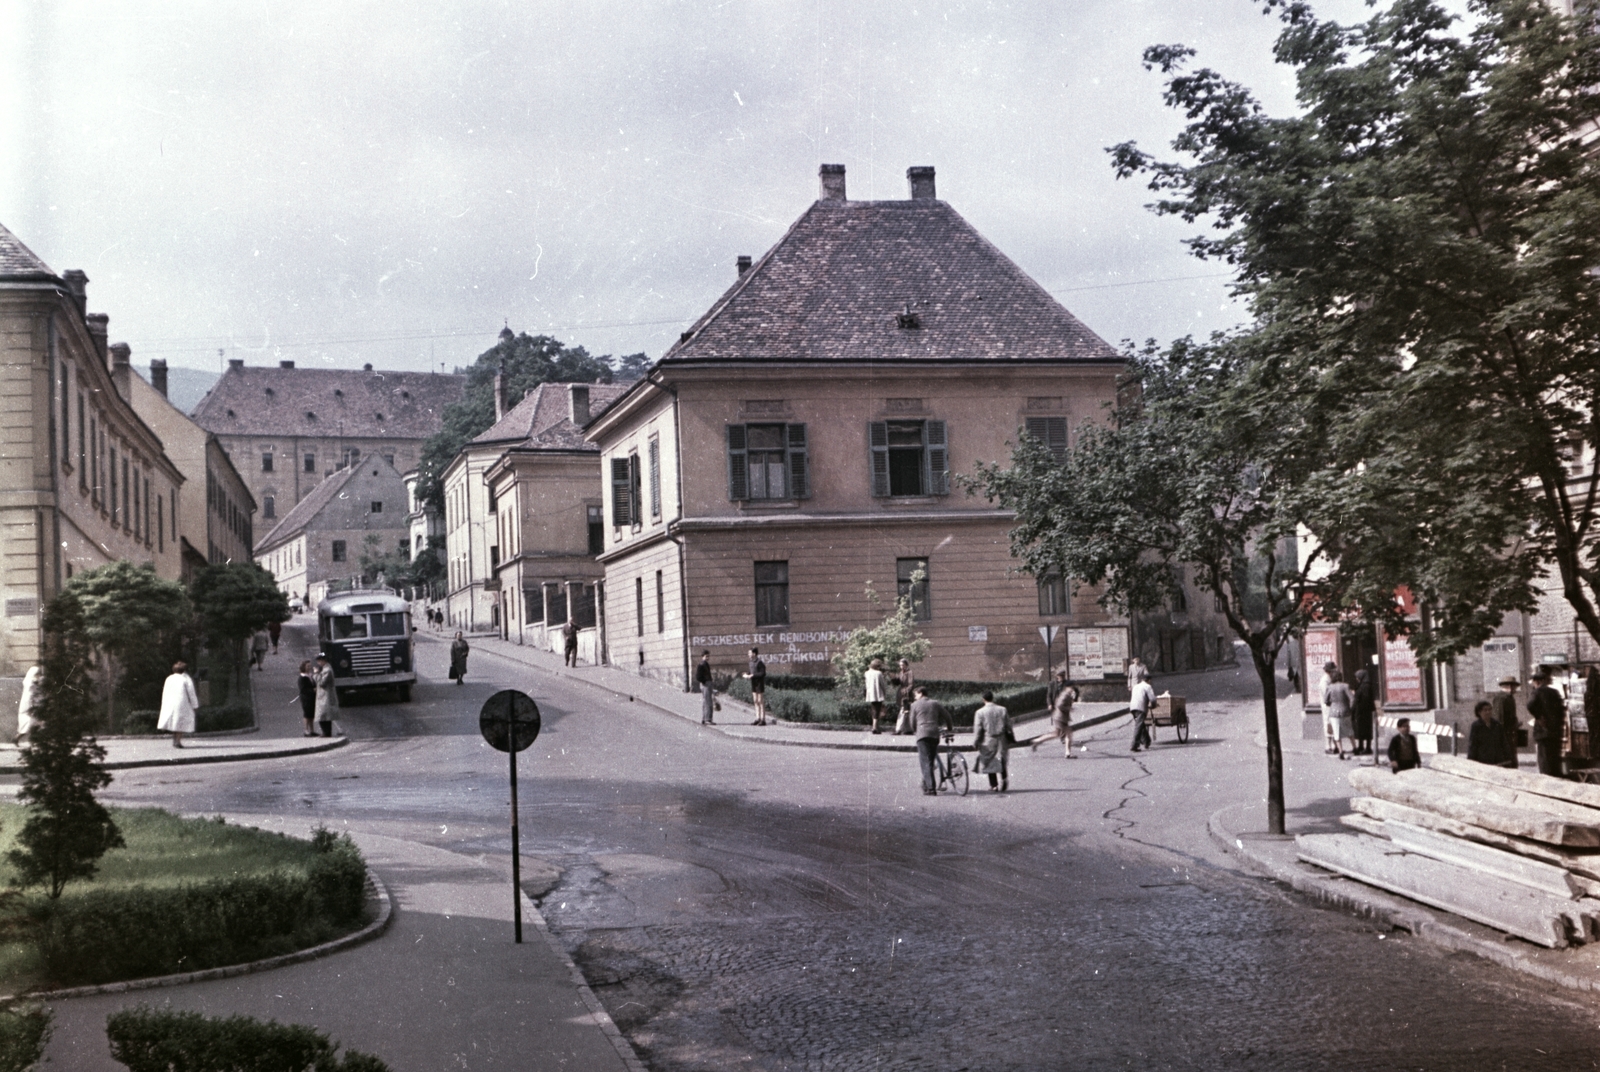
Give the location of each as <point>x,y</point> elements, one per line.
<point>327,701</point>
<point>32,696</point>
<point>274,630</point>
<point>758,686</point>
<point>308,697</point>
<point>1363,711</point>
<point>927,716</point>
<point>258,649</point>
<point>1337,700</point>
<point>991,736</point>
<point>1136,673</point>
<point>178,704</point>
<point>569,643</point>
<point>1486,743</point>
<point>1403,755</point>
<point>905,682</point>
<point>458,659</point>
<point>1060,715</point>
<point>1141,704</point>
<point>1330,745</point>
<point>703,681</point>
<point>876,694</point>
<point>1549,713</point>
<point>1505,713</point>
<point>1591,696</point>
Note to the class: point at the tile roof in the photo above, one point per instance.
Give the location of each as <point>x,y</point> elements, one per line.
<point>543,419</point>
<point>17,261</point>
<point>268,401</point>
<point>297,519</point>
<point>836,287</point>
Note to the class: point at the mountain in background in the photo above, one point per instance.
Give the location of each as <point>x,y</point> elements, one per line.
<point>185,386</point>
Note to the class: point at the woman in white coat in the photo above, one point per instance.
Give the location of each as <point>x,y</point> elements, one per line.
<point>32,694</point>
<point>178,704</point>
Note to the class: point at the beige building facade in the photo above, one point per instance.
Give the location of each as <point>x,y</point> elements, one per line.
<point>361,509</point>
<point>803,441</point>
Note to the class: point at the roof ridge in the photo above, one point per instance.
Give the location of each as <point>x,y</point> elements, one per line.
<point>309,505</point>
<point>18,261</point>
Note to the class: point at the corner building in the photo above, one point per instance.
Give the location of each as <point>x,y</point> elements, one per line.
<point>801,442</point>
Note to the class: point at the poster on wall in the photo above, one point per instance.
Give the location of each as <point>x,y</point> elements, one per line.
<point>1402,678</point>
<point>1096,653</point>
<point>1321,646</point>
<point>1502,658</point>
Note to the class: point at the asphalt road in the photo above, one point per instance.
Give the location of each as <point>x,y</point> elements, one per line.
<point>750,906</point>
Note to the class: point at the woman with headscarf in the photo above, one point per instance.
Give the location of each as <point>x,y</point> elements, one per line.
<point>178,704</point>
<point>458,659</point>
<point>1363,710</point>
<point>32,694</point>
<point>1337,700</point>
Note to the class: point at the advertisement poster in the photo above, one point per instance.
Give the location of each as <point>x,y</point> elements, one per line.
<point>1094,654</point>
<point>1321,646</point>
<point>1402,678</point>
<point>1502,657</point>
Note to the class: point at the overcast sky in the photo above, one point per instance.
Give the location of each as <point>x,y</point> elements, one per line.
<point>391,182</point>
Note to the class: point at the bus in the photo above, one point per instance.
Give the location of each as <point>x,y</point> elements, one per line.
<point>366,638</point>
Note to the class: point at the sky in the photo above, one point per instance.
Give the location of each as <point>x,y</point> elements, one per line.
<point>341,183</point>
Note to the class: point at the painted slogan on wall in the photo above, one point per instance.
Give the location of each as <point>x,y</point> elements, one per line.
<point>777,646</point>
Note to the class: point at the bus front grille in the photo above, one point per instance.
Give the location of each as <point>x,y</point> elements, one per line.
<point>373,660</point>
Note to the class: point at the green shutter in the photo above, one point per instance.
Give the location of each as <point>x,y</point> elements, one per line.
<point>936,458</point>
<point>799,476</point>
<point>1052,432</point>
<point>738,471</point>
<point>878,438</point>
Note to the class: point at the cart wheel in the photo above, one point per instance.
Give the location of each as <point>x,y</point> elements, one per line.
<point>1183,732</point>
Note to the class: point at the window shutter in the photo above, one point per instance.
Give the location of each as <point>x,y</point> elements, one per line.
<point>655,478</point>
<point>621,508</point>
<point>635,490</point>
<point>1052,432</point>
<point>937,458</point>
<point>738,472</point>
<point>878,438</point>
<point>799,477</point>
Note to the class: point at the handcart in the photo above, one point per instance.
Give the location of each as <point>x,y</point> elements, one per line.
<point>1171,711</point>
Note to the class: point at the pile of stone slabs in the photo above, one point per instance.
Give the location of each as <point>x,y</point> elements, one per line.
<point>1513,850</point>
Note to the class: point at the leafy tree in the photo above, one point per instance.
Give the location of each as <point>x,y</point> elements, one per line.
<point>630,367</point>
<point>397,569</point>
<point>1419,242</point>
<point>893,639</point>
<point>529,360</point>
<point>128,612</point>
<point>67,829</point>
<point>234,600</point>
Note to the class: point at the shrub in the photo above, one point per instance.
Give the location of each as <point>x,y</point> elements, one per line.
<point>790,707</point>
<point>150,1040</point>
<point>141,721</point>
<point>23,1032</point>
<point>234,715</point>
<point>338,878</point>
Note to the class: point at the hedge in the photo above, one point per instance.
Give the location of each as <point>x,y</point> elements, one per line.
<point>150,1040</point>
<point>23,1033</point>
<point>813,699</point>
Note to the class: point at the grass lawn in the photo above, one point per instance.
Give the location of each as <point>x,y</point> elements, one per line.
<point>162,851</point>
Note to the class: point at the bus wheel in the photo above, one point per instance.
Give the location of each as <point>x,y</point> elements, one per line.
<point>405,693</point>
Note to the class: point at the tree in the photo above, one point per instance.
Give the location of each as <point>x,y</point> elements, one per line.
<point>630,367</point>
<point>1420,243</point>
<point>67,829</point>
<point>127,612</point>
<point>529,360</point>
<point>235,599</point>
<point>397,569</point>
<point>1211,463</point>
<point>893,639</point>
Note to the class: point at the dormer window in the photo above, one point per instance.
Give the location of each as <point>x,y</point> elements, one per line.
<point>230,413</point>
<point>270,392</point>
<point>338,392</point>
<point>379,416</point>
<point>310,416</point>
<point>909,320</point>
<point>405,394</point>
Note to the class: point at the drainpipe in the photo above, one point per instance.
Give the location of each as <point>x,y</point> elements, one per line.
<point>683,579</point>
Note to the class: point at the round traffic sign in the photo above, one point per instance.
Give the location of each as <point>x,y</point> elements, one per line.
<point>500,710</point>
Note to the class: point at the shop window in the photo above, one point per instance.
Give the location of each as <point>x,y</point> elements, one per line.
<point>768,461</point>
<point>911,582</point>
<point>772,593</point>
<point>909,458</point>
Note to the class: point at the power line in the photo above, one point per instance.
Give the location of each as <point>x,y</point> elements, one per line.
<point>1143,282</point>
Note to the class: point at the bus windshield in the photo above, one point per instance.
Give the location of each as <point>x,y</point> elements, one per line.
<point>387,624</point>
<point>346,627</point>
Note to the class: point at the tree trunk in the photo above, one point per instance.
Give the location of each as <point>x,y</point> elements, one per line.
<point>1266,670</point>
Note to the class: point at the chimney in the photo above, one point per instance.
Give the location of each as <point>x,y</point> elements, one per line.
<point>77,285</point>
<point>367,367</point>
<point>96,323</point>
<point>158,375</point>
<point>832,176</point>
<point>921,179</point>
<point>286,364</point>
<point>235,362</point>
<point>579,395</point>
<point>500,390</point>
<point>743,261</point>
<point>121,367</point>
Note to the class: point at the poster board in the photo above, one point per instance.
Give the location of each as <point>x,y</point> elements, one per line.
<point>1321,647</point>
<point>1402,677</point>
<point>1096,652</point>
<point>1502,657</point>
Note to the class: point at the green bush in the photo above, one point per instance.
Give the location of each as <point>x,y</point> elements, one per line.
<point>141,721</point>
<point>790,707</point>
<point>150,1040</point>
<point>234,715</point>
<point>23,1032</point>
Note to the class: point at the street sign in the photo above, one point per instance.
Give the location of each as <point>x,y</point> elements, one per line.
<point>509,721</point>
<point>500,711</point>
<point>1047,633</point>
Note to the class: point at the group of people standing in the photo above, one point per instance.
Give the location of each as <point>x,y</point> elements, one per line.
<point>1348,713</point>
<point>318,697</point>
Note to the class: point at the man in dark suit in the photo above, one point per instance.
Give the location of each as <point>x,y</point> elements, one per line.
<point>1505,713</point>
<point>1549,713</point>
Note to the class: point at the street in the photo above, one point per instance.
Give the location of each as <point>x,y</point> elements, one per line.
<point>738,904</point>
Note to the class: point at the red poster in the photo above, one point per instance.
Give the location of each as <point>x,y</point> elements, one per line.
<point>1321,648</point>
<point>1402,678</point>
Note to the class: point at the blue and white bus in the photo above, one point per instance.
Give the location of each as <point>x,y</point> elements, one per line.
<point>366,638</point>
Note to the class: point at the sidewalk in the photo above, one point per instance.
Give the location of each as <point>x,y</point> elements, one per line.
<point>735,717</point>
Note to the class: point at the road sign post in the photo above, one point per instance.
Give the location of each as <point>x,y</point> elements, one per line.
<point>509,721</point>
<point>1048,633</point>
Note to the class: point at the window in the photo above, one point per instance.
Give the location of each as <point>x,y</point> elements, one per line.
<point>133,513</point>
<point>772,593</point>
<point>909,458</point>
<point>351,456</point>
<point>311,463</point>
<point>1053,596</point>
<point>266,462</point>
<point>533,605</point>
<point>583,606</point>
<point>1052,432</point>
<point>597,530</point>
<point>767,461</point>
<point>494,556</point>
<point>377,506</point>
<point>145,530</point>
<point>161,526</point>
<point>269,507</point>
<point>94,459</point>
<point>173,514</point>
<point>556,600</point>
<point>338,550</point>
<point>911,577</point>
<point>661,604</point>
<point>625,491</point>
<point>655,476</point>
<point>638,603</point>
<point>83,451</point>
<point>114,500</point>
<point>389,458</point>
<point>66,415</point>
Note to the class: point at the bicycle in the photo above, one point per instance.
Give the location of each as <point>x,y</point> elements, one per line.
<point>951,766</point>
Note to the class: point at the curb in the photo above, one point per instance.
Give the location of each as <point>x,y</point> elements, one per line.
<point>597,1011</point>
<point>365,934</point>
<point>1421,922</point>
<point>185,761</point>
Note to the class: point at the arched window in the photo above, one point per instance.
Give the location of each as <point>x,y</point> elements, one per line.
<point>269,506</point>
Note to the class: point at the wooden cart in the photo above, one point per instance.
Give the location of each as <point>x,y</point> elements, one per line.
<point>1170,711</point>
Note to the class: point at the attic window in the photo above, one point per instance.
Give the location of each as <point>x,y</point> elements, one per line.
<point>379,416</point>
<point>405,394</point>
<point>230,413</point>
<point>909,320</point>
<point>270,392</point>
<point>338,392</point>
<point>310,416</point>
